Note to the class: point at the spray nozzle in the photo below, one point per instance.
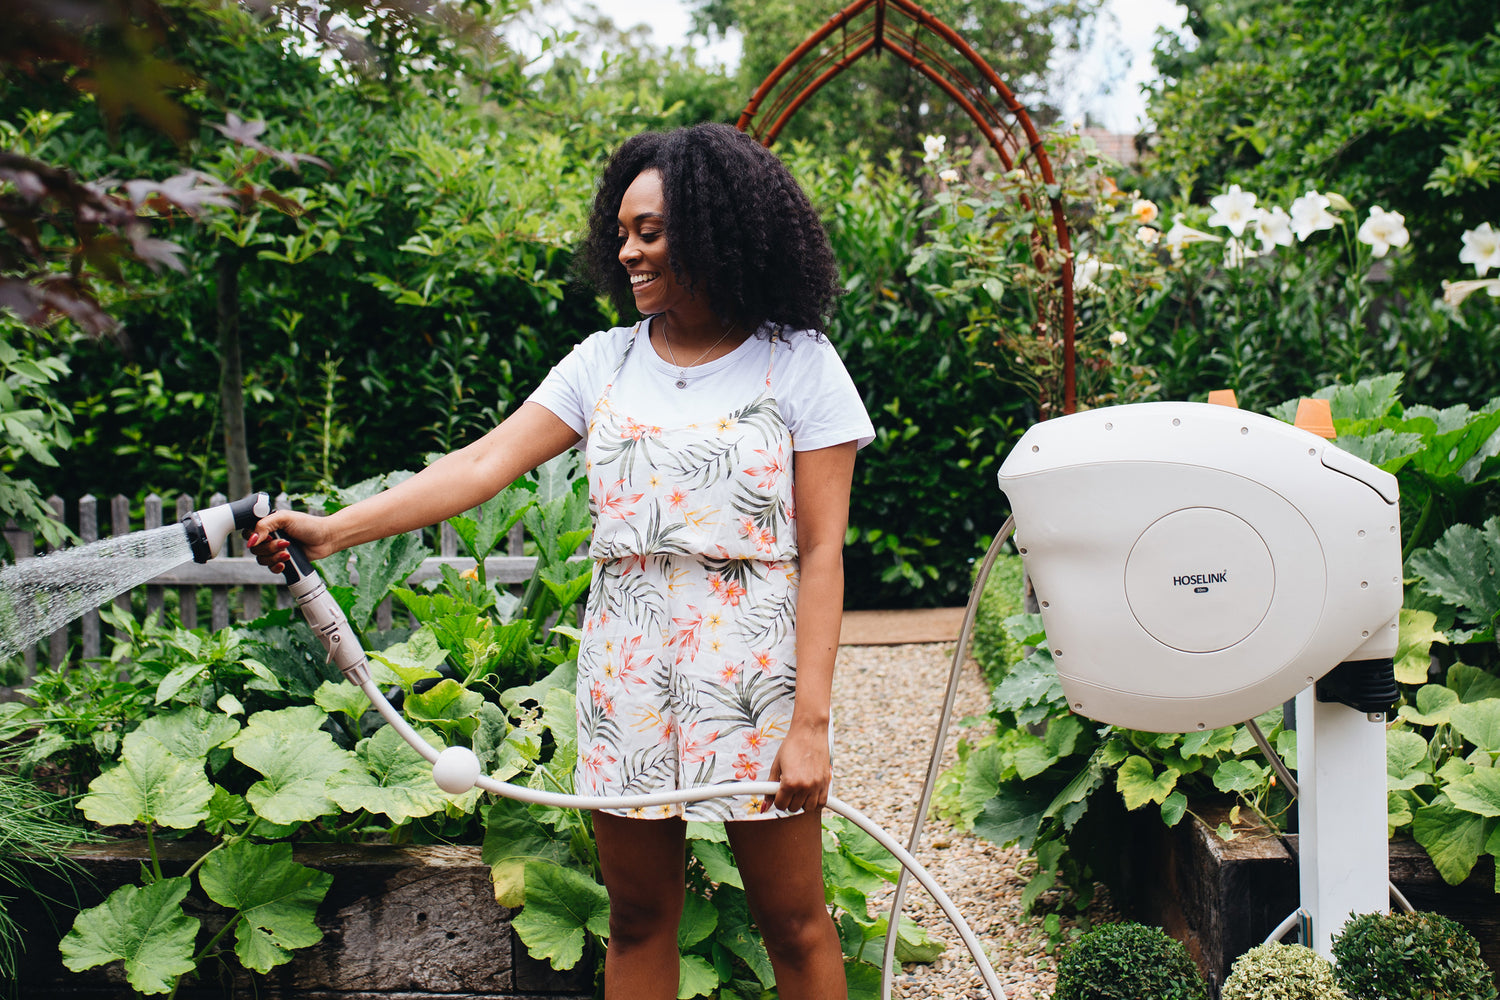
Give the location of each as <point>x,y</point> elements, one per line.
<point>207,529</point>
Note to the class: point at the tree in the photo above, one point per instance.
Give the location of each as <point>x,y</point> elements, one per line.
<point>881,100</point>
<point>1388,102</point>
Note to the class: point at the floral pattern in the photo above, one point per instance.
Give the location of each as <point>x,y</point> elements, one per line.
<point>687,669</point>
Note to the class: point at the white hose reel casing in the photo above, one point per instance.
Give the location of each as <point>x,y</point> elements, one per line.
<point>1198,564</point>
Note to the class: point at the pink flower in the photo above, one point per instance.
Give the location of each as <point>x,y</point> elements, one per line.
<point>732,593</point>
<point>594,760</point>
<point>613,503</point>
<point>687,635</point>
<point>771,471</point>
<point>695,749</point>
<point>746,769</point>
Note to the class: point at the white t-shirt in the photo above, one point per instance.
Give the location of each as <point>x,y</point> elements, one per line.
<point>813,390</point>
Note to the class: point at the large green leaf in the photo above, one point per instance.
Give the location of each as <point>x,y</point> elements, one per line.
<point>448,705</point>
<point>1036,756</point>
<point>406,663</point>
<point>496,516</point>
<point>1406,762</point>
<point>863,849</point>
<point>149,785</point>
<point>737,935</point>
<point>695,977</point>
<point>1414,646</point>
<point>1031,691</point>
<point>296,759</point>
<point>1138,782</point>
<point>1452,837</point>
<point>699,919</point>
<point>189,734</point>
<point>395,782</point>
<point>1479,723</point>
<point>564,676</point>
<point>1463,569</point>
<point>562,905</point>
<point>383,564</point>
<point>1013,816</point>
<point>276,899</point>
<point>1478,792</point>
<point>1472,684</point>
<point>1449,459</point>
<point>1238,776</point>
<point>343,698</point>
<point>1368,399</point>
<point>1434,706</point>
<point>514,839</point>
<point>718,862</point>
<point>848,885</point>
<point>143,926</point>
<point>1386,448</point>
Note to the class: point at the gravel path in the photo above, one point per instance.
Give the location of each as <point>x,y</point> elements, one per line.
<point>886,702</point>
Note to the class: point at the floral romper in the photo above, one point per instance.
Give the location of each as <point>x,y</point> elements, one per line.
<point>687,669</point>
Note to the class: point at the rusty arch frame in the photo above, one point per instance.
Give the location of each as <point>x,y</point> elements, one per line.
<point>897,27</point>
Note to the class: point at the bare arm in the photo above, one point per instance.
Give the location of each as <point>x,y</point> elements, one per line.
<point>823,479</point>
<point>457,482</point>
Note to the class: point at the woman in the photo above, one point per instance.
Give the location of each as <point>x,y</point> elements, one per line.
<point>713,616</point>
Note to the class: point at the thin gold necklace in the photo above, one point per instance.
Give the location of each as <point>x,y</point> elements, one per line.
<point>681,382</point>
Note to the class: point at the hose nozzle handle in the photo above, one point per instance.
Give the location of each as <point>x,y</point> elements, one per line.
<point>207,529</point>
<point>324,616</point>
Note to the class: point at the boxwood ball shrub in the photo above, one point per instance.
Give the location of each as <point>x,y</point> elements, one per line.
<point>1410,956</point>
<point>1127,961</point>
<point>1281,972</point>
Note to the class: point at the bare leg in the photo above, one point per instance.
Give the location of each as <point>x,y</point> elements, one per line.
<point>643,862</point>
<point>782,864</point>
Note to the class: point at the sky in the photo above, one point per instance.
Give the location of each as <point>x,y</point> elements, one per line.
<point>1131,24</point>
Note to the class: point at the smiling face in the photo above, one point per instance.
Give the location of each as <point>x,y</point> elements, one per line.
<point>643,247</point>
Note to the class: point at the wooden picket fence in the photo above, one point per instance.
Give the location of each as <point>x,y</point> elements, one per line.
<point>236,583</point>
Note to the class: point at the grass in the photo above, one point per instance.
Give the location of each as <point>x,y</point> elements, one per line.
<point>33,830</point>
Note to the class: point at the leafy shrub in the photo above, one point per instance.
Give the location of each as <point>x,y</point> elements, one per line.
<point>1127,961</point>
<point>993,645</point>
<point>1410,956</point>
<point>1281,972</point>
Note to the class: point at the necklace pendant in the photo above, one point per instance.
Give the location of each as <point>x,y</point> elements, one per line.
<point>682,383</point>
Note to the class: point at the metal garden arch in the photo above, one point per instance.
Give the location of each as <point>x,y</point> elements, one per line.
<point>900,27</point>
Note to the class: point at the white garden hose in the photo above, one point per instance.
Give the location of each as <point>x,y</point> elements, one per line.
<point>456,769</point>
<point>935,764</point>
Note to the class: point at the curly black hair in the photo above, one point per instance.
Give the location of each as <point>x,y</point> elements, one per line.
<point>738,227</point>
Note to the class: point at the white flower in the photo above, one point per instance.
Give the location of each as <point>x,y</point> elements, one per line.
<point>933,146</point>
<point>1454,292</point>
<point>948,176</point>
<point>1180,236</point>
<point>1017,175</point>
<point>1237,252</point>
<point>1482,249</point>
<point>1144,211</point>
<point>1077,124</point>
<point>1148,236</point>
<point>1383,230</point>
<point>1274,228</point>
<point>1117,338</point>
<point>1087,270</point>
<point>1234,209</point>
<point>1310,214</point>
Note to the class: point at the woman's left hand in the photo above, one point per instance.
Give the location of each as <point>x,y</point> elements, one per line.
<point>804,769</point>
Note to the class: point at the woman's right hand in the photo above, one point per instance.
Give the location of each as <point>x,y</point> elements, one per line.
<point>314,534</point>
